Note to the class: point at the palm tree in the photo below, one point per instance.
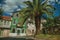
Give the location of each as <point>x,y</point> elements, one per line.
<point>35,9</point>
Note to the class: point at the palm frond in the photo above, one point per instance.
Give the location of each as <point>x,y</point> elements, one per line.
<point>51,7</point>
<point>45,3</point>
<point>36,2</point>
<point>47,12</point>
<point>27,9</point>
<point>25,13</point>
<point>23,18</point>
<point>29,4</point>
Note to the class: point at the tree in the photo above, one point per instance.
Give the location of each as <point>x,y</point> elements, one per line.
<point>49,25</point>
<point>35,9</point>
<point>57,25</point>
<point>52,24</point>
<point>1,11</point>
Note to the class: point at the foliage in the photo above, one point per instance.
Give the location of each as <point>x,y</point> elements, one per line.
<point>36,8</point>
<point>1,11</point>
<point>53,25</point>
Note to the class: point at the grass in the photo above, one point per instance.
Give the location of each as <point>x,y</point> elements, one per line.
<point>48,37</point>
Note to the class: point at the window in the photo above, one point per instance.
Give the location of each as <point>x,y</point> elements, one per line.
<point>13,30</point>
<point>8,22</point>
<point>17,15</point>
<point>18,32</point>
<point>14,22</point>
<point>4,22</point>
<point>22,30</point>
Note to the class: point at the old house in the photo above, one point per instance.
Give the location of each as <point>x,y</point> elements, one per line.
<point>5,24</point>
<point>16,30</point>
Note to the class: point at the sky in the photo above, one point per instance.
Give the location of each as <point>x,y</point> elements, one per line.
<point>10,6</point>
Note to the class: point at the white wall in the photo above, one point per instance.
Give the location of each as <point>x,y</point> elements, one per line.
<point>7,24</point>
<point>30,28</point>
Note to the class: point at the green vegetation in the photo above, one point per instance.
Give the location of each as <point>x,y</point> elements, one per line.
<point>48,37</point>
<point>35,10</point>
<point>52,26</point>
<point>1,11</point>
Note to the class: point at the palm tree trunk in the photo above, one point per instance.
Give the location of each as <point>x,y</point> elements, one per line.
<point>37,24</point>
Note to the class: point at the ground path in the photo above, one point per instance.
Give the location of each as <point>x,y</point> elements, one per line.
<point>21,38</point>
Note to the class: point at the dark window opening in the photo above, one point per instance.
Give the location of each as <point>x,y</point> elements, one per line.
<point>23,31</point>
<point>17,15</point>
<point>18,32</point>
<point>14,22</point>
<point>13,31</point>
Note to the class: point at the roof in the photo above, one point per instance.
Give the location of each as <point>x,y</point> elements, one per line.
<point>8,18</point>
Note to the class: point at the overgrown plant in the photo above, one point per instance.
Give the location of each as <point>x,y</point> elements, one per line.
<point>35,9</point>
